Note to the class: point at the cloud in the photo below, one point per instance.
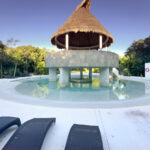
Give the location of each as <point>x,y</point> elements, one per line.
<point>119,52</point>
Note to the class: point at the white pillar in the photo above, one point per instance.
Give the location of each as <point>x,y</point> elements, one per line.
<point>81,73</point>
<point>67,41</point>
<point>90,73</point>
<point>64,77</point>
<point>52,74</point>
<point>106,48</point>
<point>104,76</point>
<point>100,42</point>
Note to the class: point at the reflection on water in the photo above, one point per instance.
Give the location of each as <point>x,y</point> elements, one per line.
<point>147,87</point>
<point>117,90</point>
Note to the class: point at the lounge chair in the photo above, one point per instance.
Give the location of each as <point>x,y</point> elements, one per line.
<point>83,137</point>
<point>7,122</point>
<point>30,135</point>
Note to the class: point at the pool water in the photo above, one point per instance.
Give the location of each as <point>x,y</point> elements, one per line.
<point>81,92</point>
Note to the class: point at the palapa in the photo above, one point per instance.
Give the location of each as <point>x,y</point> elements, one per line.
<point>83,30</point>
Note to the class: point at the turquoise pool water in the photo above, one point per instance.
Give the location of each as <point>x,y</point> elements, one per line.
<point>117,90</point>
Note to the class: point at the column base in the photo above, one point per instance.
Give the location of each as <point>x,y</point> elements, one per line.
<point>52,74</point>
<point>64,77</point>
<point>104,76</point>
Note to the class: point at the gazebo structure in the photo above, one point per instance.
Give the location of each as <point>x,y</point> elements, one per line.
<point>82,39</point>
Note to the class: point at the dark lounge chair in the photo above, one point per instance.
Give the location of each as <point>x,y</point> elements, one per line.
<point>7,122</point>
<point>83,137</point>
<point>30,135</point>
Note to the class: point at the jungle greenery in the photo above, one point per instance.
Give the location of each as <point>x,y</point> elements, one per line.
<point>21,61</point>
<point>133,64</point>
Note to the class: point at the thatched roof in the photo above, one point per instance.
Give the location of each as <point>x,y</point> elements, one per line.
<point>83,29</point>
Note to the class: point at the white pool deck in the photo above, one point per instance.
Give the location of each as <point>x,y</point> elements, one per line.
<point>125,128</point>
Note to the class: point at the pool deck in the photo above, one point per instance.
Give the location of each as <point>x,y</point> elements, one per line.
<point>121,128</point>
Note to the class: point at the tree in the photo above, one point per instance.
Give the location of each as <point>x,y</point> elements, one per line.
<point>11,42</point>
<point>2,58</point>
<point>130,66</point>
<point>17,56</point>
<point>22,60</point>
<point>40,64</point>
<point>136,56</point>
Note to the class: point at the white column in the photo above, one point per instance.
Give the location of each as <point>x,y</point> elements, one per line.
<point>106,48</point>
<point>104,76</point>
<point>52,74</point>
<point>64,77</point>
<point>90,73</point>
<point>100,42</point>
<point>81,73</point>
<point>67,41</point>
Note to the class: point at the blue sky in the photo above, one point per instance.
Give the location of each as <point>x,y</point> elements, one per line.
<point>34,21</point>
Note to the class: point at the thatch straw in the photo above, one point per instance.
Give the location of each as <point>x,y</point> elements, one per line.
<point>83,29</point>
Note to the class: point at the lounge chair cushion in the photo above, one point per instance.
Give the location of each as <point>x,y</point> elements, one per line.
<point>6,122</point>
<point>83,137</point>
<point>30,135</point>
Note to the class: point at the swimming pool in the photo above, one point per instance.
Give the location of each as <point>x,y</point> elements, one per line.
<point>82,92</point>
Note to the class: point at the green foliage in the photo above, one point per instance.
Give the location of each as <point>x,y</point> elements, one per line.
<point>22,60</point>
<point>95,70</point>
<point>2,58</point>
<point>136,56</point>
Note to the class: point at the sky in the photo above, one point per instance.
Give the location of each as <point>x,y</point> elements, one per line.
<point>33,22</point>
